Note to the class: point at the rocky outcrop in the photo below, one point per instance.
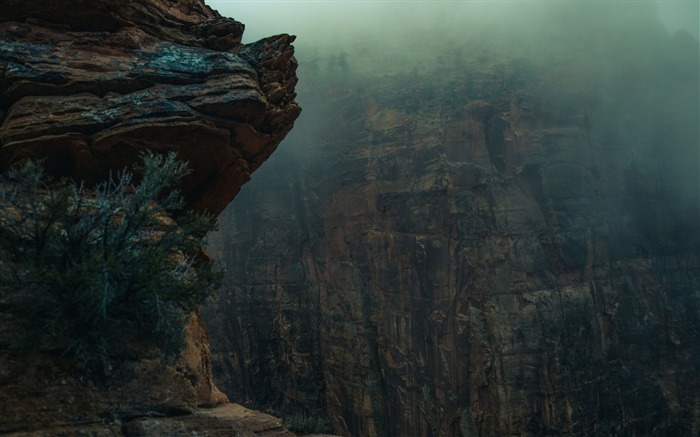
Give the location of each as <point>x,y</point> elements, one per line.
<point>88,87</point>
<point>186,22</point>
<point>223,421</point>
<point>89,93</point>
<point>497,247</point>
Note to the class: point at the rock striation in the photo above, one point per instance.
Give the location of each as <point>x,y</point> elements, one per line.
<point>494,246</point>
<point>89,86</point>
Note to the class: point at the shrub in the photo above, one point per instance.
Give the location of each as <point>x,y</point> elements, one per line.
<point>102,272</point>
<point>307,423</point>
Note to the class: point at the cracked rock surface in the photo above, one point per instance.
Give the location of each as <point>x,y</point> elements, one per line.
<point>90,85</point>
<point>91,92</point>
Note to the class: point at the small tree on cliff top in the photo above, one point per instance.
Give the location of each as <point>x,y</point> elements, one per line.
<point>104,272</point>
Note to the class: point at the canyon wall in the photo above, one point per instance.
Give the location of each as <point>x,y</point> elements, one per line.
<point>88,87</point>
<point>503,243</point>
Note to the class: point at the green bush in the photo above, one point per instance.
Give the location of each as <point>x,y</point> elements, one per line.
<point>307,423</point>
<point>104,272</point>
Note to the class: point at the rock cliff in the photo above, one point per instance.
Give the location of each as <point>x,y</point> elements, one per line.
<point>494,245</point>
<point>88,86</point>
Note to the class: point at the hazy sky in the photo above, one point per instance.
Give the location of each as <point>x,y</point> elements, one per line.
<point>324,20</point>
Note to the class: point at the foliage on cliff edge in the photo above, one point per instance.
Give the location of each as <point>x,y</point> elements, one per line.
<point>104,272</point>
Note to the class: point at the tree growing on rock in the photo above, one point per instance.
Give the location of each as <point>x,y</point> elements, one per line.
<point>105,272</point>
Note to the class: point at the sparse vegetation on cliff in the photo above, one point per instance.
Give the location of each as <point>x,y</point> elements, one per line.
<point>307,423</point>
<point>104,272</point>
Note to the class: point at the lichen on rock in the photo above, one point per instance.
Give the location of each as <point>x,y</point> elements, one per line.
<point>90,99</point>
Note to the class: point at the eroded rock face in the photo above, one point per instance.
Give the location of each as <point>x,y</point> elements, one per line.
<point>45,391</point>
<point>477,252</point>
<point>187,22</point>
<point>89,86</point>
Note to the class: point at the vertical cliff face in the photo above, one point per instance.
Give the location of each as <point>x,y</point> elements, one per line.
<point>88,86</point>
<point>495,246</point>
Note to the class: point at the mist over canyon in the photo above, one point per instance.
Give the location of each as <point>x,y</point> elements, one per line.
<point>485,222</point>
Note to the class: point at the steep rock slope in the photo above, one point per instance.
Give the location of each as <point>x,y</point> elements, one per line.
<point>495,246</point>
<point>89,86</point>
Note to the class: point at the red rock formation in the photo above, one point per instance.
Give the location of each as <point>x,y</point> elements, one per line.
<point>88,86</point>
<point>91,92</point>
<point>453,253</point>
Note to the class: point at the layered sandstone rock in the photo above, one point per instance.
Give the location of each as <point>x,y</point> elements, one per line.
<point>484,249</point>
<point>91,95</point>
<point>89,86</point>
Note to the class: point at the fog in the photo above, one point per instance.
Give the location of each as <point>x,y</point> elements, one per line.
<point>331,22</point>
<point>630,67</point>
<point>622,53</point>
<point>394,37</point>
<point>450,155</point>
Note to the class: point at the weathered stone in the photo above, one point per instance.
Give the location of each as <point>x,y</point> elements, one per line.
<point>224,421</point>
<point>188,22</point>
<point>497,261</point>
<point>89,86</point>
<point>90,100</point>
